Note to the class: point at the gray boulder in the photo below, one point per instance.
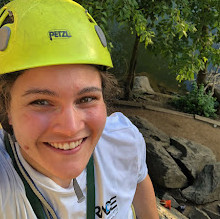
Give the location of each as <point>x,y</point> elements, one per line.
<point>176,163</point>
<point>206,187</point>
<point>212,214</point>
<point>148,130</point>
<point>196,213</point>
<point>162,168</point>
<point>142,85</point>
<point>190,155</point>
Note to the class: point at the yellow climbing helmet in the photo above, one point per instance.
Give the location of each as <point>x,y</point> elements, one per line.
<point>36,33</point>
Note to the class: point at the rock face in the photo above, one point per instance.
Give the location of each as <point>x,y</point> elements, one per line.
<point>184,169</point>
<point>190,155</point>
<point>172,162</point>
<point>212,214</point>
<point>162,168</point>
<point>198,214</point>
<point>149,131</point>
<point>206,187</point>
<point>142,85</point>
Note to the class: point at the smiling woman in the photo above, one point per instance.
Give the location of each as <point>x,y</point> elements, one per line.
<point>58,106</point>
<point>60,155</point>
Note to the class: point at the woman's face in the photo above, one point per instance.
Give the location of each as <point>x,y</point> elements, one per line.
<point>58,115</point>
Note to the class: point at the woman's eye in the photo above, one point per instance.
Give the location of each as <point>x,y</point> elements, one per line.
<point>86,99</point>
<point>40,102</point>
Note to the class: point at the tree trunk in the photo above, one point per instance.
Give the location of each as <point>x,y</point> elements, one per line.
<point>201,77</point>
<point>202,74</point>
<point>131,71</point>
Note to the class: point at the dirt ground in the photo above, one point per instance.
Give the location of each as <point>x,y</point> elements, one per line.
<point>179,126</point>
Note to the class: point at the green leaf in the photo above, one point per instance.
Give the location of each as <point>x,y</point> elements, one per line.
<point>104,20</point>
<point>184,33</point>
<point>205,59</point>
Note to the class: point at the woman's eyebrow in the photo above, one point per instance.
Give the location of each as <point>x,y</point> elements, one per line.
<point>39,91</point>
<point>52,93</point>
<point>89,89</point>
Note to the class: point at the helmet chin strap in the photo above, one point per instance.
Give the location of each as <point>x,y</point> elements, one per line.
<point>78,191</point>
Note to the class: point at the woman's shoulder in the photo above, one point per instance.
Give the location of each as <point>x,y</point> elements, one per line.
<point>121,150</point>
<point>120,132</point>
<point>118,121</point>
<point>3,153</point>
<point>1,137</point>
<point>9,179</point>
<point>12,192</point>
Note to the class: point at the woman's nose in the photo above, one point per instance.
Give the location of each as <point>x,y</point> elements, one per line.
<point>68,121</point>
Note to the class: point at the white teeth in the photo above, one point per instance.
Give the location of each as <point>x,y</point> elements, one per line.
<point>55,145</point>
<point>66,146</point>
<point>60,146</point>
<point>73,145</point>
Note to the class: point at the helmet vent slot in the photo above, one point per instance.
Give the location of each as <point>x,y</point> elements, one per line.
<point>101,35</point>
<point>6,18</point>
<point>5,33</point>
<point>91,20</point>
<point>2,11</point>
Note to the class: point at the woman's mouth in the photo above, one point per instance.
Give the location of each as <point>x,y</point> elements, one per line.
<point>65,145</point>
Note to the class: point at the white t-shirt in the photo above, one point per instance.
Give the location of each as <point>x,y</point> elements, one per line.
<point>119,160</point>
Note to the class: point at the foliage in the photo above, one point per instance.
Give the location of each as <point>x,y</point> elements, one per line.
<point>125,12</point>
<point>189,36</point>
<point>128,12</point>
<point>197,102</point>
<point>186,31</point>
<point>3,2</point>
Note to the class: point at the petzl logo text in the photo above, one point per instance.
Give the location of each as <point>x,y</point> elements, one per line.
<point>59,34</point>
<point>110,207</point>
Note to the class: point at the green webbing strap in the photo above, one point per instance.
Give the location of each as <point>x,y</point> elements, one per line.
<point>33,199</point>
<point>90,190</point>
<point>36,203</point>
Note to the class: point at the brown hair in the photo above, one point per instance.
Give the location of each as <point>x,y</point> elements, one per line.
<point>6,83</point>
<point>109,87</point>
